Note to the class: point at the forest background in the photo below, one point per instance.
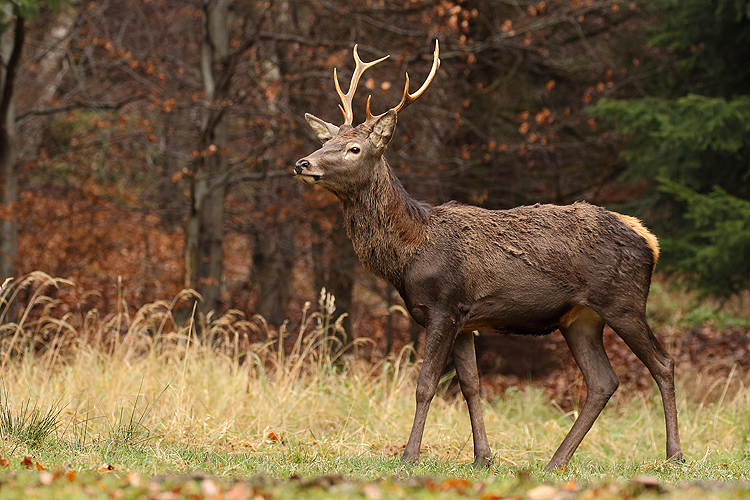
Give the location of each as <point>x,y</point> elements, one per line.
<point>147,145</point>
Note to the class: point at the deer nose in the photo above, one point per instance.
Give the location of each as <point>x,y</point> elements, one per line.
<point>300,166</point>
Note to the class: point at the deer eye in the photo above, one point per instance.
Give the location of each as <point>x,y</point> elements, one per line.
<point>354,149</point>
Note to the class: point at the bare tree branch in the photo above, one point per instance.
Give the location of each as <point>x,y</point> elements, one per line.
<point>115,106</point>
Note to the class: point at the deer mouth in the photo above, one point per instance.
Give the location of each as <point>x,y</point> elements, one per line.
<point>308,178</point>
<point>302,171</point>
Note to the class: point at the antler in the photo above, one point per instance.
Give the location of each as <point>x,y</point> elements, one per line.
<point>408,98</point>
<point>346,99</point>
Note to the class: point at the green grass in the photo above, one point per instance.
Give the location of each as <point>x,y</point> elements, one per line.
<point>28,425</point>
<point>136,405</point>
<point>672,305</point>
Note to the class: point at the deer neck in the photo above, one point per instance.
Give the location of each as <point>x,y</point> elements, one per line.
<point>386,225</point>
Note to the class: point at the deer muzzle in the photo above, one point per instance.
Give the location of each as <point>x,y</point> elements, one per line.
<point>301,166</point>
<point>300,171</point>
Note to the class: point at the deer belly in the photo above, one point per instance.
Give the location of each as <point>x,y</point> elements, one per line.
<point>509,316</point>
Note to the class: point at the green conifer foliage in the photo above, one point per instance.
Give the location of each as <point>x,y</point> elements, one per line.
<point>691,137</point>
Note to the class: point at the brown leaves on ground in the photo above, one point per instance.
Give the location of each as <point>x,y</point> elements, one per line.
<point>179,487</point>
<point>276,437</point>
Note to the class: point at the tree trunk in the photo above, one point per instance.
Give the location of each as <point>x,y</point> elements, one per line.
<point>12,45</point>
<point>341,277</point>
<point>274,238</point>
<point>272,271</point>
<point>204,250</point>
<point>334,264</point>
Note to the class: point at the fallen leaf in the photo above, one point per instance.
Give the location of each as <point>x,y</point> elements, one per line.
<point>166,495</point>
<point>239,491</point>
<point>647,481</point>
<point>276,438</point>
<point>4,462</point>
<point>27,461</point>
<point>569,486</point>
<point>542,492</point>
<point>71,475</point>
<point>209,488</point>
<point>372,491</point>
<point>39,466</point>
<point>459,484</point>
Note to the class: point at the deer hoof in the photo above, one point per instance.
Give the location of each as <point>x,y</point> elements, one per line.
<point>554,465</point>
<point>408,458</point>
<point>677,457</point>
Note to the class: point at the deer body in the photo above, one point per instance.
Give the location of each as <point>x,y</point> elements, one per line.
<point>460,268</point>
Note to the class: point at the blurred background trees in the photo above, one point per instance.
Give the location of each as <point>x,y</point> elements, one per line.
<point>688,135</point>
<point>15,16</point>
<point>156,137</point>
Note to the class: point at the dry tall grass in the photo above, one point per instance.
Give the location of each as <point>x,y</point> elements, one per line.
<point>143,375</point>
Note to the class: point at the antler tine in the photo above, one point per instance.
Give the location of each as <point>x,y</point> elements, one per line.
<point>346,99</point>
<point>408,98</point>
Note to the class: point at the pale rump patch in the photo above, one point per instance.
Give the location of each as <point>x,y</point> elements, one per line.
<point>578,312</point>
<point>638,227</point>
<point>569,317</point>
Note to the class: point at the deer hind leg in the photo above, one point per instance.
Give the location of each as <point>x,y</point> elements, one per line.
<point>584,338</point>
<point>632,327</point>
<point>438,345</point>
<point>465,359</point>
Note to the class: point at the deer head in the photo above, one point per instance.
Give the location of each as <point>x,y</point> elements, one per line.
<point>350,155</point>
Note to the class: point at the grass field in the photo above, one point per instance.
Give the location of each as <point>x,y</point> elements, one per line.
<point>132,405</point>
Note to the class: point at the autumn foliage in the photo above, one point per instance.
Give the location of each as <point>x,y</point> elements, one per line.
<point>121,133</point>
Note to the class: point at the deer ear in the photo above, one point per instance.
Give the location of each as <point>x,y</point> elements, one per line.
<point>324,130</point>
<point>382,131</point>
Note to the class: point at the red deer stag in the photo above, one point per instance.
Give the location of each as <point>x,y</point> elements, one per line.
<point>461,268</point>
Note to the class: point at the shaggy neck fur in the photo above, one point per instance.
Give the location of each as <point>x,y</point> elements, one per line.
<point>386,225</point>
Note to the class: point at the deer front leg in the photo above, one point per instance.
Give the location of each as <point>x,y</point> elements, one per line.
<point>465,359</point>
<point>438,345</point>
